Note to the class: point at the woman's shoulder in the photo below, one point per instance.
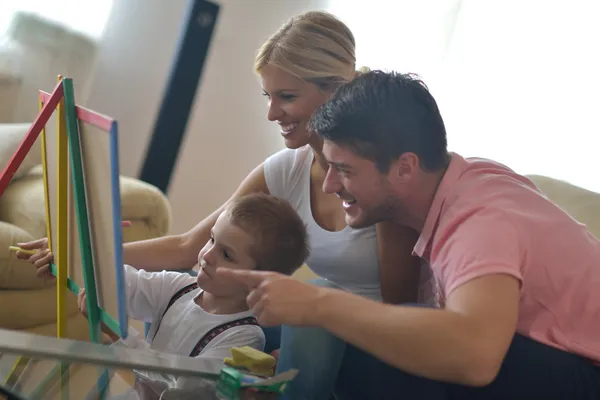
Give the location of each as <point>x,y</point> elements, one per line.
<point>284,171</point>
<point>289,157</point>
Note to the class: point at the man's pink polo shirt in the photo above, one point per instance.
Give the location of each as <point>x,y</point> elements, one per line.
<point>486,219</point>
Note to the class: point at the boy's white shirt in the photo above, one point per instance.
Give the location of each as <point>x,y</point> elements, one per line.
<point>183,325</point>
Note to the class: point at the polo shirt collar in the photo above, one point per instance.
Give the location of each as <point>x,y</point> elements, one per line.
<point>453,172</point>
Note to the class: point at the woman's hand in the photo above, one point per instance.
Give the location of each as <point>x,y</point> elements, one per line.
<point>41,259</point>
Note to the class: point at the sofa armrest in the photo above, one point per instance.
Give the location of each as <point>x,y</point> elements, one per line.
<point>146,207</point>
<point>23,205</point>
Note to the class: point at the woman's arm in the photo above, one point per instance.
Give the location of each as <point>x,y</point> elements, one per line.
<point>399,270</point>
<point>174,252</point>
<point>179,252</point>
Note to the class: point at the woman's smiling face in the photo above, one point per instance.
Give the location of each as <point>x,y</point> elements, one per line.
<point>292,102</point>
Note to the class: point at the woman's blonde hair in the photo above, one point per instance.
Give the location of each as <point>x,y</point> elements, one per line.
<point>315,46</point>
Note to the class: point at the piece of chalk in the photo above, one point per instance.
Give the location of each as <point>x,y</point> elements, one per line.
<point>125,224</point>
<point>17,248</point>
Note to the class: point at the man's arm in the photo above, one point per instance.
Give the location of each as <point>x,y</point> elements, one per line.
<point>464,343</point>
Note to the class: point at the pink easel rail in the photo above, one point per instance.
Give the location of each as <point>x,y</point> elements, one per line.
<point>91,117</point>
<point>31,136</point>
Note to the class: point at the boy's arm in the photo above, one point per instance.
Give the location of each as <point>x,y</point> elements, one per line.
<point>82,305</point>
<point>134,340</point>
<point>148,292</point>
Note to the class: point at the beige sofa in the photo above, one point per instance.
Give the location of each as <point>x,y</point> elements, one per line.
<point>27,303</point>
<point>581,204</point>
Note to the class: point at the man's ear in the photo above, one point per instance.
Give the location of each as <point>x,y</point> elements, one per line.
<point>405,167</point>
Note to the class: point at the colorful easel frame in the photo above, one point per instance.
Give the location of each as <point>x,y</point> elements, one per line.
<point>70,120</point>
<point>73,117</point>
<point>108,125</point>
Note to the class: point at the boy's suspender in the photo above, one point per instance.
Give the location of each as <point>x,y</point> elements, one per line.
<point>176,296</point>
<point>220,329</point>
<point>210,335</point>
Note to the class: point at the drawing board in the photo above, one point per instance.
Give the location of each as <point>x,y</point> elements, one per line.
<point>94,212</point>
<point>99,150</point>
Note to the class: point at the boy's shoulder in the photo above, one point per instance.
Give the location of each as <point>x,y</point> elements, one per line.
<point>177,280</point>
<point>176,285</point>
<point>165,282</point>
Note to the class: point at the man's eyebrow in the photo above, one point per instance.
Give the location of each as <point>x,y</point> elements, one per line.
<point>340,165</point>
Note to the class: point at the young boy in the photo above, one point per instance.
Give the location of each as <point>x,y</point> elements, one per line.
<point>204,317</point>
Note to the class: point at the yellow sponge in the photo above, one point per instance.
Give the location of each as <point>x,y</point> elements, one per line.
<point>253,360</point>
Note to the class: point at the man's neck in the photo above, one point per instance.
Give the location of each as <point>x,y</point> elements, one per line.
<point>221,305</point>
<point>417,206</point>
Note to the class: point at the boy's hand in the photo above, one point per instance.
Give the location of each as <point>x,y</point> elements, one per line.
<point>82,302</point>
<point>82,305</point>
<point>41,259</point>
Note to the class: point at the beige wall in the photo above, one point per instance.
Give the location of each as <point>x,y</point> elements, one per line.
<point>228,133</point>
<point>37,52</point>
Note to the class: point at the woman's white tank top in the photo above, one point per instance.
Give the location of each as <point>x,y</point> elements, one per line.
<point>348,258</point>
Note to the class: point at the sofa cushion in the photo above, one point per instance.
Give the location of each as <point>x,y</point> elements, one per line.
<point>77,328</point>
<point>23,204</point>
<point>11,136</point>
<point>15,273</point>
<point>25,309</point>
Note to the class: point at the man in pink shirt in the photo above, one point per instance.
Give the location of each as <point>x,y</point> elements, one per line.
<point>518,279</point>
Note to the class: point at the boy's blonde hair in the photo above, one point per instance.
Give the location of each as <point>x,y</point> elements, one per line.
<point>315,46</point>
<point>281,240</point>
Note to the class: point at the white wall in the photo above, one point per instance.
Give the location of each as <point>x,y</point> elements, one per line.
<point>516,81</point>
<point>228,133</point>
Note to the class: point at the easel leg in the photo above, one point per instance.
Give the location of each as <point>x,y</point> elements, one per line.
<point>83,222</point>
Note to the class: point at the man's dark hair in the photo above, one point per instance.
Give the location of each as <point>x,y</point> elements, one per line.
<point>380,116</point>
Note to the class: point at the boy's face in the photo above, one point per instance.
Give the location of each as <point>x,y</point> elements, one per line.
<point>229,247</point>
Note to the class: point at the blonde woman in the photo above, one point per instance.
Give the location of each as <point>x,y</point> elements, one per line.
<point>300,66</point>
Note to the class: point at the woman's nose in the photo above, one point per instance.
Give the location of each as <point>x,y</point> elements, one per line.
<point>274,112</point>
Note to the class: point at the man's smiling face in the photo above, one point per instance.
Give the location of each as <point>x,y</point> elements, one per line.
<point>366,192</point>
